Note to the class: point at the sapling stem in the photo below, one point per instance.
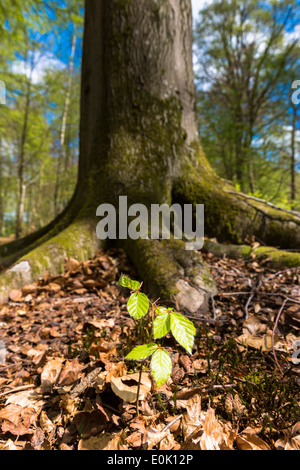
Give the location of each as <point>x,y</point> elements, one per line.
<point>139,388</point>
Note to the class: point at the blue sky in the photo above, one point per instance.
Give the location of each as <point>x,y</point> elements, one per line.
<point>198,5</point>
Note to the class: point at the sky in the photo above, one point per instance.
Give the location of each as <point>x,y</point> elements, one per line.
<point>60,60</point>
<point>197,5</point>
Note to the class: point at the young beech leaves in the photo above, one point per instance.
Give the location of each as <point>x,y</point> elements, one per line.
<point>161,366</point>
<point>161,324</point>
<point>140,353</point>
<point>126,282</point>
<point>138,305</point>
<point>182,329</point>
<point>166,320</point>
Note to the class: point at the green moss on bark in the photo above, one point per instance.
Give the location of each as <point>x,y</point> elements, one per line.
<point>161,263</point>
<point>278,259</point>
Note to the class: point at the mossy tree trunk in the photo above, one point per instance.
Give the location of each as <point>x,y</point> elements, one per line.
<point>139,138</point>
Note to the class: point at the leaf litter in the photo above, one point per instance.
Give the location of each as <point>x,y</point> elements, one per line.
<point>64,384</point>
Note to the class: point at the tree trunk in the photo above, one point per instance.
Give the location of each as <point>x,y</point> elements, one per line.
<point>22,162</point>
<point>139,138</point>
<point>2,208</point>
<point>64,123</point>
<point>293,155</point>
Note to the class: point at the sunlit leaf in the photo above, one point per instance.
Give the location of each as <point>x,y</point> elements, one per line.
<point>161,324</point>
<point>161,367</point>
<point>183,331</point>
<point>138,305</point>
<point>141,353</point>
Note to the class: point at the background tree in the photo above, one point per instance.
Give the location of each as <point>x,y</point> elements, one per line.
<point>39,131</point>
<point>244,76</point>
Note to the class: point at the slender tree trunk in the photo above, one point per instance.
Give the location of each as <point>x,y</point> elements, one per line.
<point>293,155</point>
<point>22,163</point>
<point>2,208</point>
<point>139,138</point>
<point>64,124</point>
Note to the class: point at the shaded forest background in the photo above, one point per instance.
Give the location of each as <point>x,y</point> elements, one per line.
<point>246,60</point>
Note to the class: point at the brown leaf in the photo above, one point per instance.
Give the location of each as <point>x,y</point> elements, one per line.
<point>71,265</point>
<point>16,295</point>
<point>50,374</point>
<point>104,442</point>
<point>18,420</point>
<point>247,441</point>
<point>135,439</point>
<point>291,440</point>
<point>27,399</point>
<point>30,289</point>
<point>90,423</point>
<point>193,418</point>
<point>186,363</point>
<point>37,439</point>
<point>70,373</point>
<point>207,433</point>
<point>152,437</point>
<point>126,387</point>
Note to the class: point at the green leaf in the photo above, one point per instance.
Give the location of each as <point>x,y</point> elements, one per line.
<point>138,305</point>
<point>126,282</point>
<point>135,285</point>
<point>142,352</point>
<point>183,331</point>
<point>161,367</point>
<point>161,324</point>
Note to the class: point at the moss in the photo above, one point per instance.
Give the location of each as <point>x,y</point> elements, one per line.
<point>161,263</point>
<point>223,219</point>
<point>78,241</point>
<point>278,258</point>
<point>275,258</point>
<point>156,266</point>
<point>232,251</point>
<point>230,217</point>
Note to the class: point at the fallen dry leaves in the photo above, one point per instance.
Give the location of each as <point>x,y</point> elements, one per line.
<point>64,384</point>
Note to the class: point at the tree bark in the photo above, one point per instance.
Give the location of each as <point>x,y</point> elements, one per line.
<point>64,123</point>
<point>22,162</point>
<point>293,155</point>
<point>139,138</point>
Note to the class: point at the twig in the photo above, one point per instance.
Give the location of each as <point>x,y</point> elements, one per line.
<point>17,389</point>
<point>274,330</point>
<point>172,422</point>
<point>213,302</point>
<point>247,305</point>
<point>282,272</point>
<point>3,369</point>
<point>216,387</point>
<point>85,383</point>
<point>138,390</point>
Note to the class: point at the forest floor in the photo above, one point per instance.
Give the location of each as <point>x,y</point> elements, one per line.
<point>64,383</point>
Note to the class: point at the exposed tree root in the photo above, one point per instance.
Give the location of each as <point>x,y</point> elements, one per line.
<point>172,273</point>
<point>11,252</point>
<point>169,270</point>
<point>274,258</point>
<point>231,217</point>
<point>78,240</point>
